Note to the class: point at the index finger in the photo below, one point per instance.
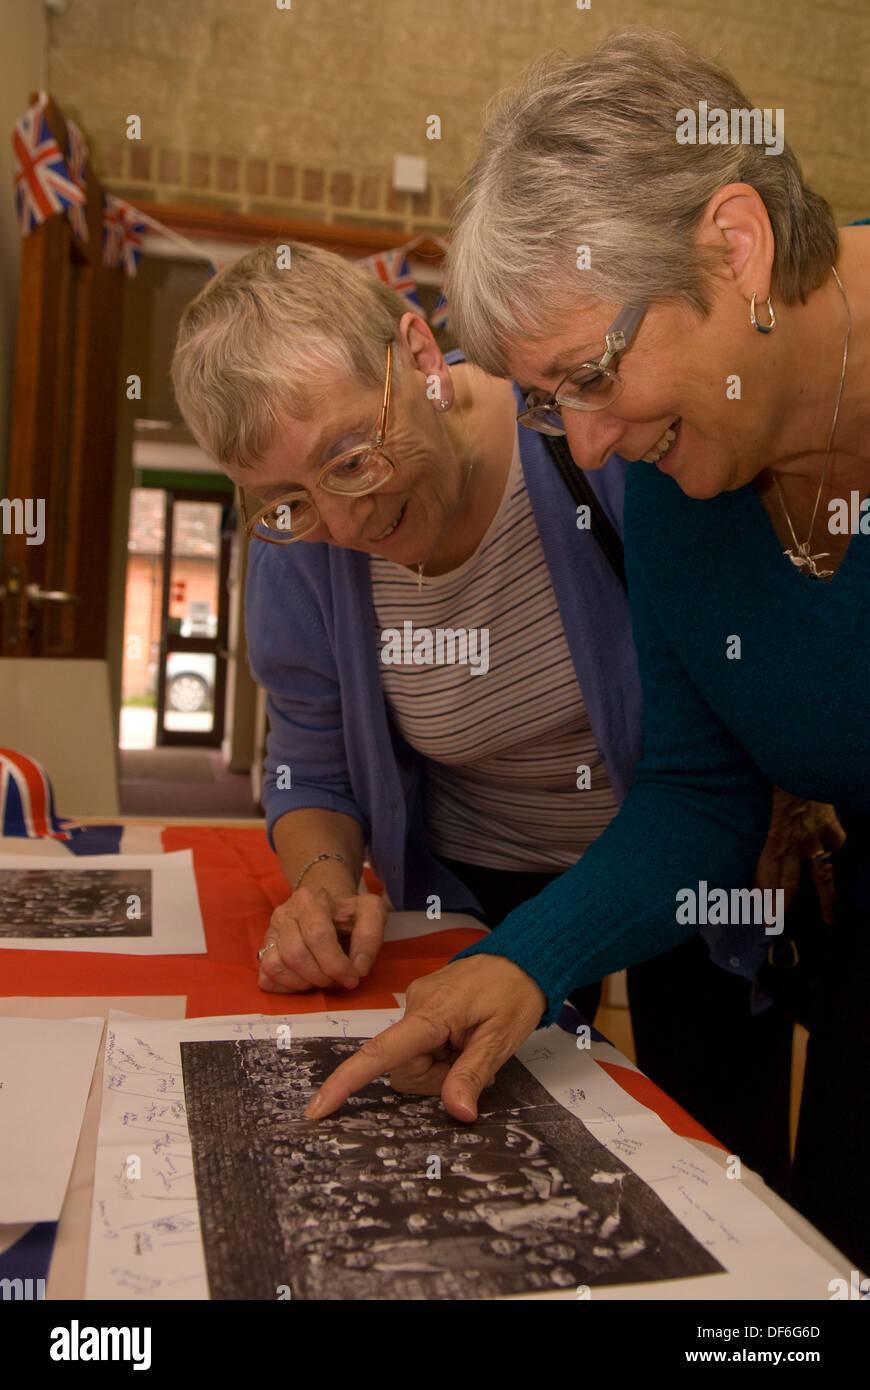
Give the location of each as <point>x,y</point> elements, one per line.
<point>410,1037</point>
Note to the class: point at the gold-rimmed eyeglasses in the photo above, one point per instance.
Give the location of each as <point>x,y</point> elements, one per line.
<point>591,386</point>
<point>352,473</point>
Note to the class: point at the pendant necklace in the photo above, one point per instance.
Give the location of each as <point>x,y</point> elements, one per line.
<point>801,556</point>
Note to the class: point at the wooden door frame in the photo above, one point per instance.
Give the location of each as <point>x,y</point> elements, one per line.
<point>64,287</point>
<point>208,224</point>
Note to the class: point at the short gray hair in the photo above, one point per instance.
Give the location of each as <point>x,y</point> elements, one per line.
<point>585,154</point>
<point>259,343</point>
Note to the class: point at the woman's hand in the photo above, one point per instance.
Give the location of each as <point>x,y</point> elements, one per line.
<point>461,1023</point>
<point>800,830</point>
<point>306,953</point>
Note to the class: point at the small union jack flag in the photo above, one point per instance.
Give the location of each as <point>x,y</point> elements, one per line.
<point>78,167</point>
<point>43,182</point>
<point>392,268</point>
<point>123,229</point>
<point>27,800</point>
<point>439,316</point>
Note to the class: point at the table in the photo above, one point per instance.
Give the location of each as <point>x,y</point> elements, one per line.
<point>240,882</point>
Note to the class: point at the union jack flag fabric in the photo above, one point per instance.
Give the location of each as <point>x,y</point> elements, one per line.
<point>392,268</point>
<point>44,184</point>
<point>78,167</point>
<point>123,229</point>
<point>439,316</point>
<point>27,811</point>
<point>27,800</point>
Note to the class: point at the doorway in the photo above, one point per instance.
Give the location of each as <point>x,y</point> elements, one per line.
<point>176,618</point>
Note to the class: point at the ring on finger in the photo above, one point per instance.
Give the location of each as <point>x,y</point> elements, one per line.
<point>263,949</point>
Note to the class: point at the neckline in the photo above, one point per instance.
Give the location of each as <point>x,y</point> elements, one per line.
<point>808,579</point>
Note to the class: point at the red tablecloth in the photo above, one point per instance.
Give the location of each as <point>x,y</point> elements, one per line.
<point>240,881</point>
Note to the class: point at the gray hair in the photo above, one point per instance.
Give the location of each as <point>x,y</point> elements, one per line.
<point>585,154</point>
<point>260,342</point>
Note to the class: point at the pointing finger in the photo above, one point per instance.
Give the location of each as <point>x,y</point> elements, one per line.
<point>411,1036</point>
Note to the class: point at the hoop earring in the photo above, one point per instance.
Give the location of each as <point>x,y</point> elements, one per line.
<point>762,327</point>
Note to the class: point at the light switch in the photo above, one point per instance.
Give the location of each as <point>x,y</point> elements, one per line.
<point>409,173</point>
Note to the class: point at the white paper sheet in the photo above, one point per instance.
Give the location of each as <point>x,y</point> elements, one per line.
<point>145,1235</point>
<point>160,887</point>
<point>402,925</point>
<point>46,1067</point>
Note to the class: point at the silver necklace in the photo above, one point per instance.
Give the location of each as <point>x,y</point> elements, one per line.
<point>801,556</point>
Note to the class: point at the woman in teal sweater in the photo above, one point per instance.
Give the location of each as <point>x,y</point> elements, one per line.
<point>741,395</point>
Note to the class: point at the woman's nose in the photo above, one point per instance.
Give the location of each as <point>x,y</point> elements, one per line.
<point>345,518</point>
<point>591,435</point>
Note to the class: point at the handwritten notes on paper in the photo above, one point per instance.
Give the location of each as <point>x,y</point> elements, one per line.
<point>145,1234</point>
<point>764,1258</point>
<point>146,1240</point>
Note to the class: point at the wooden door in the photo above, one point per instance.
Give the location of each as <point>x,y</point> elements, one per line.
<point>57,521</point>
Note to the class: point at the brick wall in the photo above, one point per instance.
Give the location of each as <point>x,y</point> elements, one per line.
<point>141,620</point>
<point>298,112</point>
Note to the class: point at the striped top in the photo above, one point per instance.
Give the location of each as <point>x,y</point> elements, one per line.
<point>479,679</point>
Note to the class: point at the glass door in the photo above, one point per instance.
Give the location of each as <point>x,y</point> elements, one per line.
<point>192,663</point>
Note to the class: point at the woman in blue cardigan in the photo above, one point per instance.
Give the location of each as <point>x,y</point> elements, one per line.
<point>739,393</point>
<point>426,518</point>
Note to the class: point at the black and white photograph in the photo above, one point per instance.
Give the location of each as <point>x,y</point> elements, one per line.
<point>392,1199</point>
<point>47,903</point>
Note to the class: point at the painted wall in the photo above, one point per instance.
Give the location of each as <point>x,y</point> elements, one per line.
<point>299,111</point>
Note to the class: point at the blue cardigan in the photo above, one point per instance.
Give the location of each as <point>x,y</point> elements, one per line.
<point>310,629</point>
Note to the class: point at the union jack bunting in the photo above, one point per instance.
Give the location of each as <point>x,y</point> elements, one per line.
<point>27,800</point>
<point>78,167</point>
<point>439,315</point>
<point>392,268</point>
<point>43,182</point>
<point>113,230</point>
<point>123,229</point>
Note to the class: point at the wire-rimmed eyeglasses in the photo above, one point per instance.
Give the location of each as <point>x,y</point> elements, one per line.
<point>352,473</point>
<point>591,386</point>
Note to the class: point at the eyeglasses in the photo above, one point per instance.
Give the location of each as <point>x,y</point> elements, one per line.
<point>591,386</point>
<point>353,473</point>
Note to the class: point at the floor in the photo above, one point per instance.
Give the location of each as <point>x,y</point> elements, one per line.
<point>182,782</point>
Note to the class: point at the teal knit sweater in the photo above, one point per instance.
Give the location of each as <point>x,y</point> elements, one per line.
<point>753,674</point>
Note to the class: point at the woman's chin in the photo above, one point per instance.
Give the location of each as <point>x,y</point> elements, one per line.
<point>698,486</point>
<point>698,489</point>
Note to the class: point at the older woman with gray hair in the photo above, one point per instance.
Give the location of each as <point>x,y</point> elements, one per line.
<point>437,695</point>
<point>692,309</point>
